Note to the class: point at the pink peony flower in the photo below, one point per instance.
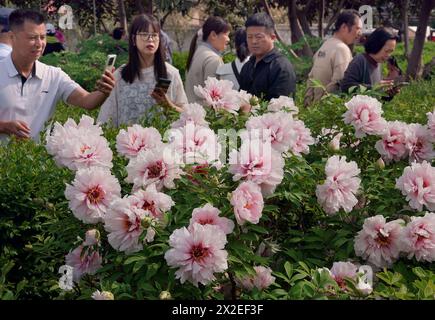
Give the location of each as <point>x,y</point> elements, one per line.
<point>219,95</point>
<point>102,295</point>
<point>192,113</point>
<point>303,138</point>
<point>282,103</point>
<point>341,270</point>
<point>124,224</point>
<point>365,114</point>
<point>152,167</point>
<point>379,242</point>
<point>91,193</point>
<point>137,138</point>
<point>83,262</point>
<point>431,124</point>
<point>419,238</point>
<point>258,162</point>
<point>392,146</point>
<point>419,143</point>
<point>280,125</point>
<point>198,253</point>
<point>210,215</point>
<point>341,184</point>
<point>417,183</point>
<point>85,151</point>
<point>194,144</point>
<point>154,202</point>
<point>248,203</point>
<point>262,279</point>
<point>62,133</point>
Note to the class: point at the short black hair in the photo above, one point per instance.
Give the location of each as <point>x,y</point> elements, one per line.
<point>347,17</point>
<point>118,33</point>
<point>260,19</point>
<point>377,40</point>
<point>19,16</point>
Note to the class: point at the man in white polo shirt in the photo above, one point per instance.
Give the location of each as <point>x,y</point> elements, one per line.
<point>29,89</point>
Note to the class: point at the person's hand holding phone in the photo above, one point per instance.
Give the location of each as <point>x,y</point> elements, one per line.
<point>107,80</point>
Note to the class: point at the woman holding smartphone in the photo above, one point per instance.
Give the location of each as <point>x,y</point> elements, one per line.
<point>205,53</point>
<point>135,90</point>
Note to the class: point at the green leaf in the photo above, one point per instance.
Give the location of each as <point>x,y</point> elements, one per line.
<point>288,269</point>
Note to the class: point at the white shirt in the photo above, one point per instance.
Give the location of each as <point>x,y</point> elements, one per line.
<point>5,50</point>
<point>225,72</point>
<point>34,101</point>
<point>128,102</point>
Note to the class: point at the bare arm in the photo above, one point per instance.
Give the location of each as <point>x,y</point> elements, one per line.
<point>90,100</point>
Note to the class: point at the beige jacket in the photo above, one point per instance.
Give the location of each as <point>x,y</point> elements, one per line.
<point>204,64</point>
<point>330,63</point>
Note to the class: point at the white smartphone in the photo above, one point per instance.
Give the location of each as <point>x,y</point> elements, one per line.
<point>110,62</point>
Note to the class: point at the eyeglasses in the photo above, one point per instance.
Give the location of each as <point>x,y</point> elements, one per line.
<point>148,36</point>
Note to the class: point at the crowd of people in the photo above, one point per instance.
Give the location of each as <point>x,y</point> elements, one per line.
<point>30,90</point>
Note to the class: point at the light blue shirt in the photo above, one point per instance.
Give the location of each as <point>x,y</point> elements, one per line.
<point>5,50</point>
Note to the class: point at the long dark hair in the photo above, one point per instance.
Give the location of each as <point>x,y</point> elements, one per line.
<point>132,70</point>
<point>213,23</point>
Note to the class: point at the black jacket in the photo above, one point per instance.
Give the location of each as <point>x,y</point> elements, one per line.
<point>273,76</point>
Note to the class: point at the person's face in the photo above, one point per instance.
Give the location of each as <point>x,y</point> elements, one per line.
<point>354,32</point>
<point>147,43</point>
<point>385,52</point>
<point>29,41</point>
<point>260,41</point>
<point>219,41</point>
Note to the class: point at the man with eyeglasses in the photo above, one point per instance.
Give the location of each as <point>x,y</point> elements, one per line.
<point>268,74</point>
<point>29,89</point>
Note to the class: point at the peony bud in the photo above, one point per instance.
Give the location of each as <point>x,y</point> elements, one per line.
<point>165,295</point>
<point>103,295</point>
<point>92,237</point>
<point>334,144</point>
<point>380,164</point>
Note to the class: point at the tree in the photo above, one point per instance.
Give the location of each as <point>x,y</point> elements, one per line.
<point>295,29</point>
<point>122,15</point>
<point>414,63</point>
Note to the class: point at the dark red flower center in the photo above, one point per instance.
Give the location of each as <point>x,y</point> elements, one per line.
<point>95,195</point>
<point>199,253</point>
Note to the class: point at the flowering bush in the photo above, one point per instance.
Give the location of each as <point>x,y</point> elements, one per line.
<point>184,210</point>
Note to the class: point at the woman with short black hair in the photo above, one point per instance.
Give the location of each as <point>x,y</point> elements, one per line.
<point>365,69</point>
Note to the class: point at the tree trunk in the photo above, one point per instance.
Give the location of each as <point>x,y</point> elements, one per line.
<point>321,15</point>
<point>295,29</point>
<point>267,9</point>
<point>302,17</point>
<point>414,64</point>
<point>405,7</point>
<point>122,15</point>
<point>139,6</point>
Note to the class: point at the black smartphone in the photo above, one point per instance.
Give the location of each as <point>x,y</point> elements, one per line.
<point>163,84</point>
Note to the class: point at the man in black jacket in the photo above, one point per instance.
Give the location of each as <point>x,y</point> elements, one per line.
<point>268,74</point>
